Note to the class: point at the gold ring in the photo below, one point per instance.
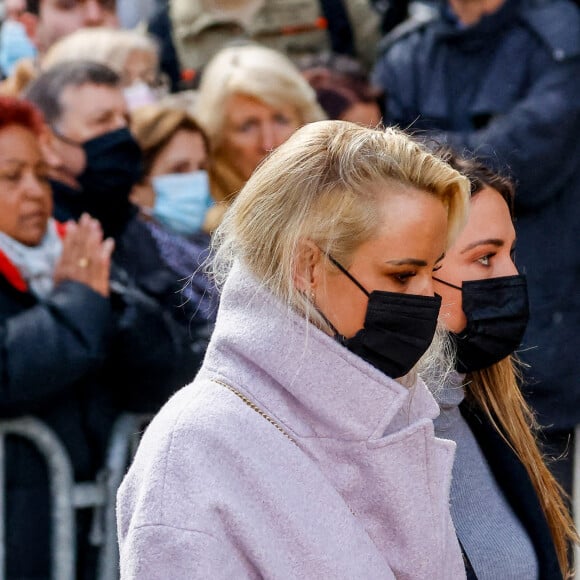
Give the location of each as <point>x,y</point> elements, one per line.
<point>83,263</point>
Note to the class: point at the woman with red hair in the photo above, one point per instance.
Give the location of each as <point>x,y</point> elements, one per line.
<point>64,332</point>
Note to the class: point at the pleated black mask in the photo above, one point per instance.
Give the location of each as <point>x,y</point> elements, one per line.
<point>497,313</point>
<point>397,331</point>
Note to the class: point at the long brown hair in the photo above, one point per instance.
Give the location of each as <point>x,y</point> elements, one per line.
<point>496,390</point>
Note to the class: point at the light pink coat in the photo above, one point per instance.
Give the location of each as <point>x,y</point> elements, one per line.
<point>361,490</point>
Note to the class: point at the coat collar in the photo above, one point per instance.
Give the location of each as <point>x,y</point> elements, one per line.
<point>283,362</point>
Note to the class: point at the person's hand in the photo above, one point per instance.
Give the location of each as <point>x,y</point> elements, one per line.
<point>86,257</point>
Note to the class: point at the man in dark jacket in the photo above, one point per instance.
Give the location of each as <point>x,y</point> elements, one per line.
<point>501,79</point>
<point>95,163</point>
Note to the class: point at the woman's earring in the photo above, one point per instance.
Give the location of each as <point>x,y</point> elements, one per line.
<point>312,296</point>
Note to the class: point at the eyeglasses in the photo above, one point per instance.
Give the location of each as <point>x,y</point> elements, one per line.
<point>159,83</point>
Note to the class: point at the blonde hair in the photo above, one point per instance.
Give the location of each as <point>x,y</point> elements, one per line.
<point>320,185</point>
<point>255,71</point>
<point>110,46</point>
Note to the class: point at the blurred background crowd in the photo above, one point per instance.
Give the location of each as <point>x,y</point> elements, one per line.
<point>127,127</point>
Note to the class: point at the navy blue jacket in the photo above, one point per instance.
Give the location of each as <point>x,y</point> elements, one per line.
<point>508,89</point>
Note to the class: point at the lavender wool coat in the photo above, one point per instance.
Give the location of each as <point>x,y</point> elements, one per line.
<point>349,482</point>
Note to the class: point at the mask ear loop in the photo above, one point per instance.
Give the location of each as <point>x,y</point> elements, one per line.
<point>339,337</point>
<point>447,283</point>
<point>348,275</point>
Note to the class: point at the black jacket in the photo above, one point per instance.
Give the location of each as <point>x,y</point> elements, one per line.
<point>508,90</point>
<point>517,487</point>
<point>75,360</point>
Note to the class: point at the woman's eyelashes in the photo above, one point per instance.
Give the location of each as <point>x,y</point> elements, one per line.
<point>485,260</point>
<point>403,277</point>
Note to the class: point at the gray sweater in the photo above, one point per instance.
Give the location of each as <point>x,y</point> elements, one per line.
<point>493,538</point>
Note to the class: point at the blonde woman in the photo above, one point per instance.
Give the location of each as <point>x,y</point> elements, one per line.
<point>250,100</point>
<point>508,510</point>
<point>305,447</point>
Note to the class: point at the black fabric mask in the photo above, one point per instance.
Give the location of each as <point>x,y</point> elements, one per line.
<point>497,313</point>
<point>397,331</point>
<point>114,164</point>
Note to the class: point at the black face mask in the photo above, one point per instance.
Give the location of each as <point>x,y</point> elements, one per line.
<point>497,313</point>
<point>398,329</point>
<point>114,164</point>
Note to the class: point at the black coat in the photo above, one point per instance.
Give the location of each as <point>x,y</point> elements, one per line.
<point>508,89</point>
<point>517,488</point>
<point>76,360</point>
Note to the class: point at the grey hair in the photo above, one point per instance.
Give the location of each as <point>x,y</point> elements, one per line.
<point>110,46</point>
<point>46,89</point>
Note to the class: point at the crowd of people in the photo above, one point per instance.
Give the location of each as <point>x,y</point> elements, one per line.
<point>329,248</point>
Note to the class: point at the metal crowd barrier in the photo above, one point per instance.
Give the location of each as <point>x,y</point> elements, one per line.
<point>123,445</point>
<point>66,495</point>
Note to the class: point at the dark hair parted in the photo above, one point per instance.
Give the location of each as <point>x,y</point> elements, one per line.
<point>480,175</point>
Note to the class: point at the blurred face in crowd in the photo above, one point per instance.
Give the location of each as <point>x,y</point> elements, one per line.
<point>252,129</point>
<point>25,194</point>
<point>483,250</point>
<point>184,153</point>
<point>394,260</point>
<point>141,65</point>
<point>57,18</point>
<point>142,81</point>
<point>367,114</point>
<point>89,111</point>
<point>13,9</point>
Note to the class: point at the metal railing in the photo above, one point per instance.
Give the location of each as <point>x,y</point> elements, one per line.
<point>124,441</point>
<point>66,495</point>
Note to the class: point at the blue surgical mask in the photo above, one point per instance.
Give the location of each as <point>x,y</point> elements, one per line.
<point>14,45</point>
<point>181,201</point>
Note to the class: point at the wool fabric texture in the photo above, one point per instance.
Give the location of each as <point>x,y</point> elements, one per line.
<point>353,483</point>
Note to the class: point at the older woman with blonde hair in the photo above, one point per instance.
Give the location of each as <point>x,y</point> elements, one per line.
<point>305,446</point>
<point>250,100</point>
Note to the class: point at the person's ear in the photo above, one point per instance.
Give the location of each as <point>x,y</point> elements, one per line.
<point>308,266</point>
<point>46,140</point>
<point>142,194</point>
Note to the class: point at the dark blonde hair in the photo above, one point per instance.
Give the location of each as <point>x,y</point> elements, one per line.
<point>154,126</point>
